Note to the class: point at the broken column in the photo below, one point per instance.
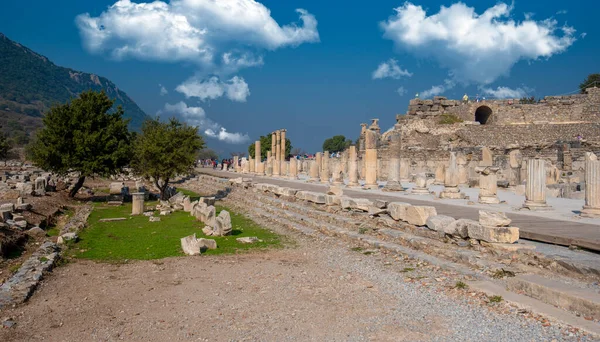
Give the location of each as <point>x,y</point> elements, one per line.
<point>337,175</point>
<point>313,171</point>
<point>393,181</point>
<point>404,170</point>
<point>235,163</point>
<point>282,153</point>
<point>276,157</point>
<point>352,167</point>
<point>257,155</point>
<point>451,189</point>
<point>535,190</point>
<point>137,207</point>
<point>515,160</point>
<point>269,166</point>
<point>420,185</point>
<point>370,159</point>
<point>293,174</point>
<point>252,166</point>
<point>325,168</point>
<point>461,162</point>
<point>440,173</point>
<point>591,207</point>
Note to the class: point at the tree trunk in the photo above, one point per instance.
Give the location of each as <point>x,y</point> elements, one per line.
<point>77,186</point>
<point>163,188</point>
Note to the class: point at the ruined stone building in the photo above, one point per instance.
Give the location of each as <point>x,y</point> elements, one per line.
<point>559,129</point>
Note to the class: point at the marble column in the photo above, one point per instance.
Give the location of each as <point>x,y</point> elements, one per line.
<point>535,190</point>
<point>451,180</point>
<point>261,169</point>
<point>313,171</point>
<point>404,170</point>
<point>463,175</point>
<point>592,186</point>
<point>269,166</point>
<point>420,185</point>
<point>137,207</point>
<point>370,160</point>
<point>337,176</point>
<point>276,154</point>
<point>353,167</point>
<point>257,154</point>
<point>325,168</point>
<point>395,148</point>
<point>252,165</point>
<point>235,163</point>
<point>440,173</point>
<point>282,146</point>
<point>515,160</point>
<point>293,174</point>
<point>245,166</point>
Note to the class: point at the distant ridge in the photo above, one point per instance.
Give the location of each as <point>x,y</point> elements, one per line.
<point>30,83</point>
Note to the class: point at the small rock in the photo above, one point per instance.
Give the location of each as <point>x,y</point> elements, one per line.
<point>8,323</point>
<point>248,239</point>
<point>493,218</point>
<point>154,219</point>
<point>165,212</point>
<point>208,243</point>
<point>148,213</point>
<point>36,232</point>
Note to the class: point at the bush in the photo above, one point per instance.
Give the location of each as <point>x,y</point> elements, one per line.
<point>449,119</point>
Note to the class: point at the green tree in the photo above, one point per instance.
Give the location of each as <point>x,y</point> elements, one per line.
<point>5,147</point>
<point>164,150</point>
<point>593,80</point>
<point>85,136</point>
<point>336,143</point>
<point>265,145</point>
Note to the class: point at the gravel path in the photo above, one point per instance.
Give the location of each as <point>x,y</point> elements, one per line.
<point>315,290</point>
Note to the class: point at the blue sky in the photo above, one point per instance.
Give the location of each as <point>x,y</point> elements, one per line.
<point>242,72</point>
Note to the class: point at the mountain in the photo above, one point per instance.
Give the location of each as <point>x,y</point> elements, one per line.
<point>30,84</point>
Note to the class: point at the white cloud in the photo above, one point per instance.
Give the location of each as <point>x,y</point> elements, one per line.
<point>223,135</point>
<point>438,89</point>
<point>163,90</point>
<point>475,48</point>
<point>390,69</point>
<point>401,91</point>
<point>236,89</point>
<point>506,92</point>
<point>583,35</point>
<point>196,116</point>
<point>212,34</point>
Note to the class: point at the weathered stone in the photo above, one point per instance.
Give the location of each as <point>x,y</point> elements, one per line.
<point>190,245</point>
<point>355,203</point>
<point>187,204</point>
<point>493,218</point>
<point>7,206</point>
<point>381,204</point>
<point>336,190</point>
<point>208,215</point>
<point>115,188</point>
<point>397,210</point>
<point>332,200</point>
<point>207,200</point>
<point>460,227</point>
<point>36,232</point>
<point>137,205</point>
<point>208,243</point>
<point>314,197</point>
<point>418,215</point>
<point>67,237</point>
<point>154,219</point>
<point>247,239</point>
<point>223,224</point>
<point>494,234</point>
<point>439,222</point>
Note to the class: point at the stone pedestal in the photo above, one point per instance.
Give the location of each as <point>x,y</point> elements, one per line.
<point>325,168</point>
<point>293,169</point>
<point>353,167</point>
<point>137,207</point>
<point>337,175</point>
<point>257,155</point>
<point>535,190</point>
<point>420,185</point>
<point>451,180</point>
<point>393,182</point>
<point>488,184</point>
<point>592,186</point>
<point>261,169</point>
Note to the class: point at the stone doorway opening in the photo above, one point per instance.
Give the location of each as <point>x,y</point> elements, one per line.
<point>483,114</point>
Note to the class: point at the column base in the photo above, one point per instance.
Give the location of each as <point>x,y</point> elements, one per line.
<point>353,185</point>
<point>590,212</point>
<point>530,205</point>
<point>420,191</point>
<point>370,186</point>
<point>393,186</point>
<point>489,200</point>
<point>452,193</point>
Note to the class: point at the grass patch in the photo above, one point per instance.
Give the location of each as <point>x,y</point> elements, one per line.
<point>461,285</point>
<point>495,299</point>
<point>193,195</point>
<point>502,273</point>
<point>407,269</point>
<point>138,239</point>
<point>449,119</point>
<point>14,268</point>
<point>356,249</point>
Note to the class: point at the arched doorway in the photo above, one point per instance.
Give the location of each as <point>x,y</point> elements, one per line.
<point>483,114</point>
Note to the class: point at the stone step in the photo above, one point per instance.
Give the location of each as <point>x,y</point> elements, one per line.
<point>568,295</point>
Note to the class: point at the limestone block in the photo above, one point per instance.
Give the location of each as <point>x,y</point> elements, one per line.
<point>208,231</point>
<point>332,200</point>
<point>208,215</point>
<point>494,234</point>
<point>397,210</point>
<point>493,218</point>
<point>314,197</point>
<point>248,239</point>
<point>154,219</point>
<point>8,206</point>
<point>36,232</point>
<point>115,188</point>
<point>355,203</point>
<point>5,215</point>
<point>381,204</point>
<point>460,227</point>
<point>223,224</point>
<point>208,243</point>
<point>439,222</point>
<point>67,237</point>
<point>418,215</point>
<point>288,192</point>
<point>190,245</point>
<point>187,204</point>
<point>335,190</point>
<point>207,200</point>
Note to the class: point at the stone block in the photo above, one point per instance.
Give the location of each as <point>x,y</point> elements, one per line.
<point>418,215</point>
<point>397,210</point>
<point>154,219</point>
<point>439,222</point>
<point>288,192</point>
<point>332,200</point>
<point>67,237</point>
<point>248,239</point>
<point>460,227</point>
<point>493,218</point>
<point>177,198</point>
<point>208,215</point>
<point>187,204</point>
<point>7,206</point>
<point>190,245</point>
<point>494,234</point>
<point>223,224</point>
<point>115,188</point>
<point>5,215</point>
<point>381,204</point>
<point>336,190</point>
<point>36,232</point>
<point>314,197</point>
<point>207,200</point>
<point>355,203</point>
<point>208,243</point>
